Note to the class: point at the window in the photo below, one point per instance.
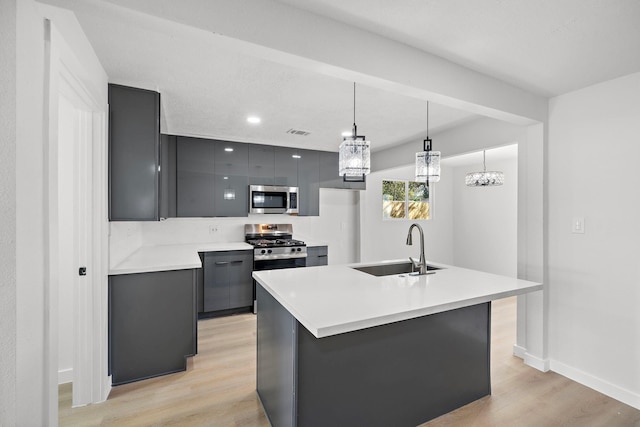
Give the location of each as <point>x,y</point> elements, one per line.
<point>405,200</point>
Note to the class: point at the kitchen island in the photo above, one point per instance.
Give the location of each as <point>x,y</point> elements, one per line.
<point>338,346</point>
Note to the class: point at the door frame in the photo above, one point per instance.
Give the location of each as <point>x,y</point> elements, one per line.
<point>66,73</point>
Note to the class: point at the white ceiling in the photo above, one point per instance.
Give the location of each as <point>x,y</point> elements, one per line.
<point>209,90</point>
<point>547,47</point>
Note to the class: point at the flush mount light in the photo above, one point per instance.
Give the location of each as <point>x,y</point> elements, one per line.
<point>228,149</point>
<point>296,156</point>
<point>347,133</point>
<point>354,155</point>
<point>484,178</point>
<point>253,119</point>
<point>427,161</point>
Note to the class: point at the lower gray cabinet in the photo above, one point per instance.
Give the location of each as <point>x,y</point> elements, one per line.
<point>227,280</point>
<point>317,255</point>
<point>152,324</point>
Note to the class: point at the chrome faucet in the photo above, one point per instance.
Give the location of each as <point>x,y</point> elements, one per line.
<point>422,264</point>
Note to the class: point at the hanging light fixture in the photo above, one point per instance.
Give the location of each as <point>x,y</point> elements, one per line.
<point>427,161</point>
<point>354,157</point>
<point>484,178</point>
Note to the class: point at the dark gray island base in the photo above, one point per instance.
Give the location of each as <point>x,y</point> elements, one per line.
<point>400,374</point>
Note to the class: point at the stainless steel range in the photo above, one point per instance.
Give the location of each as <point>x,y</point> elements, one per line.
<point>274,248</point>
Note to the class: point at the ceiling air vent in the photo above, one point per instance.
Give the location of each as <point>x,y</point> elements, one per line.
<point>298,132</point>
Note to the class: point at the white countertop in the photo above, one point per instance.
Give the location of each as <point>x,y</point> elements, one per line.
<point>331,300</point>
<point>171,257</point>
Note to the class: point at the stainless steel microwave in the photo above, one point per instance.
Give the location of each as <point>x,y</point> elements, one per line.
<point>269,199</point>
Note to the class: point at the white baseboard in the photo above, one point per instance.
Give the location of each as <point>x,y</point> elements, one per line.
<point>604,387</point>
<point>536,362</point>
<point>531,360</point>
<point>65,376</point>
<point>519,351</point>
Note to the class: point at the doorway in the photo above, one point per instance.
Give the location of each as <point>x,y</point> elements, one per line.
<point>76,201</point>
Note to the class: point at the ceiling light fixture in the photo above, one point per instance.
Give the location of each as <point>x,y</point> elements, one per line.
<point>253,120</point>
<point>228,149</point>
<point>296,156</point>
<point>427,161</point>
<point>354,156</point>
<point>484,178</point>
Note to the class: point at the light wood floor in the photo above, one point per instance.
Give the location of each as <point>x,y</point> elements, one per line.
<point>218,389</point>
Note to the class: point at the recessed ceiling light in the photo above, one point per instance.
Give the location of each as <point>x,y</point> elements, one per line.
<point>228,149</point>
<point>296,156</point>
<point>253,119</point>
<point>347,133</point>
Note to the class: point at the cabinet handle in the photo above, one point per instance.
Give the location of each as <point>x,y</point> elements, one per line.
<point>222,262</point>
<point>238,261</point>
<point>322,256</point>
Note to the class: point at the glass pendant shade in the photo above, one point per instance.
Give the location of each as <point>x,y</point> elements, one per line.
<point>485,178</point>
<point>428,166</point>
<point>355,157</point>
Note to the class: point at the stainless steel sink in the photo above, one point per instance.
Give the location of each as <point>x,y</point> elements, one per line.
<point>392,269</point>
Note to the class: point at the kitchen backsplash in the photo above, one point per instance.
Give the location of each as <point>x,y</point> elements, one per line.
<point>337,226</point>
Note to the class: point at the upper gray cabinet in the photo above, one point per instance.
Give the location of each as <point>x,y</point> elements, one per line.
<point>211,178</point>
<point>231,190</point>
<point>134,154</point>
<point>168,176</point>
<point>195,163</point>
<point>309,182</point>
<point>261,164</point>
<point>286,166</point>
<point>329,178</point>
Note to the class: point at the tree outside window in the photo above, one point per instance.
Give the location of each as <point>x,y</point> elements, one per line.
<point>405,200</point>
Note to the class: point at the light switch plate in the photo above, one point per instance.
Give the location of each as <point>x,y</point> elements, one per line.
<point>577,225</point>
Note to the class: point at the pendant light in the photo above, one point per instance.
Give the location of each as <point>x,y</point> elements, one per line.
<point>354,156</point>
<point>484,178</point>
<point>427,161</point>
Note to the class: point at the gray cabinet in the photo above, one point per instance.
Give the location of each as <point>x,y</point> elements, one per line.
<point>152,324</point>
<point>309,183</point>
<point>195,177</point>
<point>168,154</point>
<point>317,255</point>
<point>227,280</point>
<point>134,154</point>
<point>286,166</point>
<point>261,164</point>
<point>329,178</point>
<point>231,189</point>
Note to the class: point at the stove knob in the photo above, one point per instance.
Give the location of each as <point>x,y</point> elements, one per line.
<point>269,251</point>
<point>262,251</point>
<point>293,249</point>
<point>299,249</point>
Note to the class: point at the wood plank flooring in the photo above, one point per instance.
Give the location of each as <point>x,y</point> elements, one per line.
<point>218,389</point>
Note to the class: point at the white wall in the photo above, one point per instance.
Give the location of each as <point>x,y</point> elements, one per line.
<point>8,142</point>
<point>337,226</point>
<point>31,378</point>
<point>594,317</point>
<point>485,220</point>
<point>385,239</point>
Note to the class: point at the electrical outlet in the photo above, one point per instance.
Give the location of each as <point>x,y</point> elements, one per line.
<point>577,225</point>
<point>213,229</point>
